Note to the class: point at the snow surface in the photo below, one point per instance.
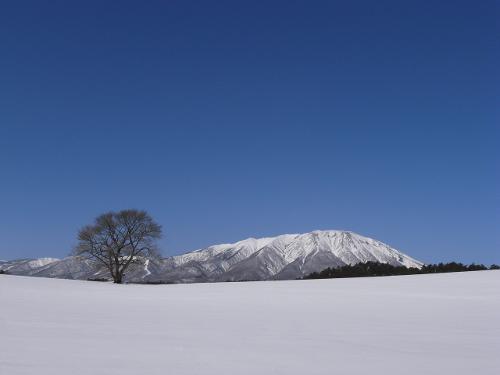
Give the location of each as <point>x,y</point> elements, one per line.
<point>420,324</point>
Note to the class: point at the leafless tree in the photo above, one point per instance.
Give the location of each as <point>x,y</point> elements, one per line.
<point>119,239</point>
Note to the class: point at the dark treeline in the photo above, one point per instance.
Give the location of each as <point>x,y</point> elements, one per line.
<point>384,269</point>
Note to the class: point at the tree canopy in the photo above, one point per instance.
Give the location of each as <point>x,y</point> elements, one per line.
<point>119,239</point>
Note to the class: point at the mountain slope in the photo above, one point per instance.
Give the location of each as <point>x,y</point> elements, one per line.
<point>283,257</point>
<point>25,267</point>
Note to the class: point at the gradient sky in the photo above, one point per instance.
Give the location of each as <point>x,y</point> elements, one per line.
<point>235,119</point>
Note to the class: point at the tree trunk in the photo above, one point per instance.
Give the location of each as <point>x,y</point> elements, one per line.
<point>117,276</point>
<point>117,279</point>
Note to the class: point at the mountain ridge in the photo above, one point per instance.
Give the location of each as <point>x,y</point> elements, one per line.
<point>286,256</point>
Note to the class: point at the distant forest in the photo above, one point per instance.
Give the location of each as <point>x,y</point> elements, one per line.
<point>384,269</point>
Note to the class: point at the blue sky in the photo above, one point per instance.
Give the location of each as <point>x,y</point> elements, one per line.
<point>233,119</point>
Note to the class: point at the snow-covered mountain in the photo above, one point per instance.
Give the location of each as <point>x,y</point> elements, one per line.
<point>283,257</point>
<point>25,266</point>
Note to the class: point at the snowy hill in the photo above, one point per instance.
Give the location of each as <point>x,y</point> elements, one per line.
<point>422,324</point>
<point>283,257</point>
<point>25,266</point>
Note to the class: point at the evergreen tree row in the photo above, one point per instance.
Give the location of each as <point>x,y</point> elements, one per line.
<point>384,269</point>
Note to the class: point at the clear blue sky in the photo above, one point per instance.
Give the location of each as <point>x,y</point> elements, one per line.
<point>231,119</point>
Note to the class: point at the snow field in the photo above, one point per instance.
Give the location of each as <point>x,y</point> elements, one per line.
<point>432,324</point>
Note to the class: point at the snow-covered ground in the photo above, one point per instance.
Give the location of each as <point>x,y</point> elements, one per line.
<point>421,324</point>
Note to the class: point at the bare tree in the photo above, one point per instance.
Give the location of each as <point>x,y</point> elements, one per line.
<point>119,239</point>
